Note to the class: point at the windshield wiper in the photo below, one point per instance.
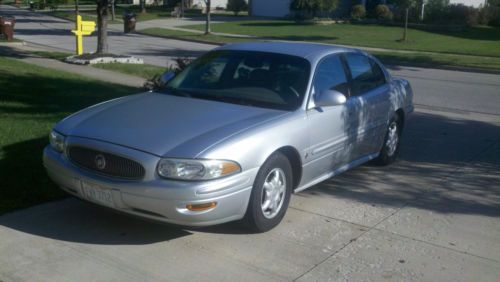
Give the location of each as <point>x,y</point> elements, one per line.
<point>177,92</point>
<point>234,100</point>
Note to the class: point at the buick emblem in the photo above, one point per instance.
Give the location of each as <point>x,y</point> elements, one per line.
<point>100,161</point>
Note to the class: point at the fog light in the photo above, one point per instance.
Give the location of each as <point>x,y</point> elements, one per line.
<point>201,207</point>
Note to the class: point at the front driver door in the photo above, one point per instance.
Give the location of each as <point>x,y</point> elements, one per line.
<point>330,144</point>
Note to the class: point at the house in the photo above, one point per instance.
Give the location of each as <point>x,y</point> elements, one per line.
<point>473,3</point>
<point>281,8</point>
<point>214,3</point>
<point>197,3</point>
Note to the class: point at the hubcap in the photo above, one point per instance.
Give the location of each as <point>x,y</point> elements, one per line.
<point>392,139</point>
<point>273,193</point>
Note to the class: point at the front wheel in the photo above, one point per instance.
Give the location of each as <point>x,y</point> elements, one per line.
<point>270,194</point>
<point>390,148</point>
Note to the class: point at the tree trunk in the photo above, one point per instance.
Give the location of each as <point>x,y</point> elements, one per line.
<point>182,8</point>
<point>112,10</point>
<point>143,6</point>
<point>405,32</point>
<point>207,25</point>
<point>102,27</point>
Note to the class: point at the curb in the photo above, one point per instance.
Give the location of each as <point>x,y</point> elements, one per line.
<point>15,43</point>
<point>181,39</point>
<point>445,67</point>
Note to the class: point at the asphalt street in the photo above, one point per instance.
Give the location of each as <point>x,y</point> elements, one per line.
<point>434,215</point>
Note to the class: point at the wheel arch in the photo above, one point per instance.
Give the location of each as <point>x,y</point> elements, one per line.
<point>293,157</point>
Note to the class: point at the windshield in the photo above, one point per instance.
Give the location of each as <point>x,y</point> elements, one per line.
<point>245,77</point>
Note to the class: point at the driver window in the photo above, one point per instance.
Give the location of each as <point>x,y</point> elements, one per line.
<point>330,75</point>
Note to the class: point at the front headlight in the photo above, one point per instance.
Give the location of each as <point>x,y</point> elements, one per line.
<point>196,169</point>
<point>57,141</point>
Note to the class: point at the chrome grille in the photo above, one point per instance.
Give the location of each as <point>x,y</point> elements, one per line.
<point>105,163</point>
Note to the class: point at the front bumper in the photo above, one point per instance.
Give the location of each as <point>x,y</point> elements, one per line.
<point>153,197</point>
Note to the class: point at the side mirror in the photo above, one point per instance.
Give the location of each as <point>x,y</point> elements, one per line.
<point>166,77</point>
<point>329,98</point>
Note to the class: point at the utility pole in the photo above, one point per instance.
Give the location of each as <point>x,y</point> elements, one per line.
<point>78,41</point>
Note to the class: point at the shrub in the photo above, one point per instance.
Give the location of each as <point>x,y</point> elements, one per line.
<point>484,15</point>
<point>461,14</point>
<point>358,12</point>
<point>306,9</point>
<point>383,12</point>
<point>236,6</point>
<point>438,11</point>
<point>435,9</point>
<point>156,82</point>
<point>54,4</point>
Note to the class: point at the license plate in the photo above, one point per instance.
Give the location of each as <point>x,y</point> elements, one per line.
<point>97,194</point>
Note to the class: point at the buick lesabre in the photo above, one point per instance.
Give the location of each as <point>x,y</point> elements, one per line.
<point>234,134</point>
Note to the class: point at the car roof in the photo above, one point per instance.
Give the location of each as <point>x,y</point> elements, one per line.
<point>307,50</point>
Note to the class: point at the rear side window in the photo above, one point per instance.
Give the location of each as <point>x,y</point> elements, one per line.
<point>366,73</point>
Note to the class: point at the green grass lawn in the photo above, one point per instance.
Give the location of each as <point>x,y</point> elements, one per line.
<point>145,71</point>
<point>31,101</point>
<point>481,41</point>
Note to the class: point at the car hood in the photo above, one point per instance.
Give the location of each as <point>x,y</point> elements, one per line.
<point>164,125</point>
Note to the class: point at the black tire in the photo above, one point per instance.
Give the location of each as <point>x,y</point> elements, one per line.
<point>254,217</point>
<point>388,155</point>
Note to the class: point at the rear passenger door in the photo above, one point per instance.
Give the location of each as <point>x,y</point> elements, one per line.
<point>370,100</point>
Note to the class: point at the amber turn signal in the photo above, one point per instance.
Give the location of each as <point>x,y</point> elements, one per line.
<point>201,207</point>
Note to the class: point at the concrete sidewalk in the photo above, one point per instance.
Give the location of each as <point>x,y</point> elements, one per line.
<point>179,23</point>
<point>24,54</point>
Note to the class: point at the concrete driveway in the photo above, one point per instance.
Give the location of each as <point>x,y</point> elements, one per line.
<point>434,215</point>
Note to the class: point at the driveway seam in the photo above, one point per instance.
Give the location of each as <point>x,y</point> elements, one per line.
<point>330,217</point>
<point>436,245</point>
<point>352,240</point>
<point>374,227</point>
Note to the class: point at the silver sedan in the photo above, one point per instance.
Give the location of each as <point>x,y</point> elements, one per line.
<point>233,135</point>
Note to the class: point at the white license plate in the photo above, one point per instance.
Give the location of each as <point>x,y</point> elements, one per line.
<point>97,194</point>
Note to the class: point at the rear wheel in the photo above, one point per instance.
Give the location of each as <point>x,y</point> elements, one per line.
<point>270,194</point>
<point>390,148</point>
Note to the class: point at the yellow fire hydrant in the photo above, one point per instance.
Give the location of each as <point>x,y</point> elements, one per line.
<point>82,28</point>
